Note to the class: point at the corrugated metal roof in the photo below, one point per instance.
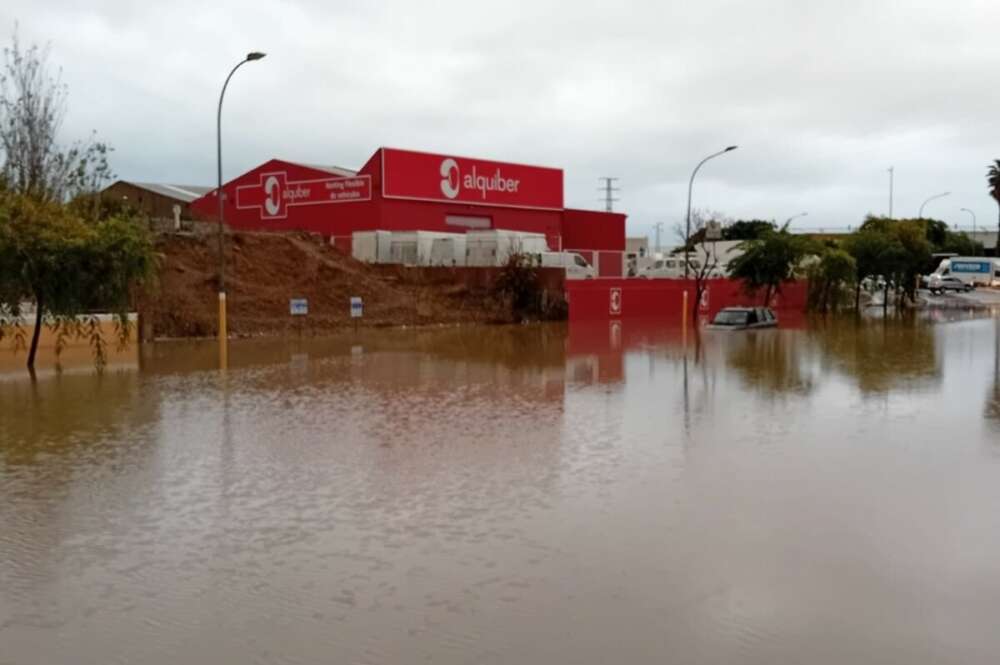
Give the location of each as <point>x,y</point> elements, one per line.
<point>335,170</point>
<point>185,193</point>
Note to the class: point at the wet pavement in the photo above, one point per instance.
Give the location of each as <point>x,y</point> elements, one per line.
<point>822,493</point>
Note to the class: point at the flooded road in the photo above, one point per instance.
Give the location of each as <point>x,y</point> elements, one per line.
<point>512,495</point>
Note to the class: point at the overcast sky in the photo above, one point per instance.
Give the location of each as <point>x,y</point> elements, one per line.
<point>822,97</point>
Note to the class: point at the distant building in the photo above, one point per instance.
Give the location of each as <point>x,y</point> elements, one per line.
<point>635,249</point>
<point>157,200</point>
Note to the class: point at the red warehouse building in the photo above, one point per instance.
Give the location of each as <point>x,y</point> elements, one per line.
<point>403,190</point>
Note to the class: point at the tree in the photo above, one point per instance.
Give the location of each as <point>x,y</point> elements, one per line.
<point>747,229</point>
<point>829,277</point>
<point>769,261</point>
<point>703,262</point>
<point>68,267</point>
<point>993,178</point>
<point>32,109</point>
<point>872,251</point>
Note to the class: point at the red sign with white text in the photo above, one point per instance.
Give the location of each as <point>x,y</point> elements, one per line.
<point>426,177</point>
<point>274,194</point>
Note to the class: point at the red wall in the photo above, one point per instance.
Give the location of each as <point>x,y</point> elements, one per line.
<point>591,300</point>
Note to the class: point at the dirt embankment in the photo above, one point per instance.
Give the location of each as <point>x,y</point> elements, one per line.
<point>264,271</point>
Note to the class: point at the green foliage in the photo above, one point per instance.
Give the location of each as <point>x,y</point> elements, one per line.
<point>68,268</point>
<point>898,251</point>
<point>829,279</point>
<point>961,244</point>
<point>769,261</point>
<point>519,287</point>
<point>751,229</point>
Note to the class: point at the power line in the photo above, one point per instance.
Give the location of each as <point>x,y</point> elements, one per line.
<point>609,190</point>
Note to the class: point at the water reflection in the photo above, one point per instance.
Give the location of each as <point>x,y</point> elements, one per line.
<point>464,495</point>
<point>880,355</point>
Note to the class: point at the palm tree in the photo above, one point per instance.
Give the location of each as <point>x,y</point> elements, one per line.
<point>993,178</point>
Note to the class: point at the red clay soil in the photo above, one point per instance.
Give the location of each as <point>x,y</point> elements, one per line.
<point>265,270</point>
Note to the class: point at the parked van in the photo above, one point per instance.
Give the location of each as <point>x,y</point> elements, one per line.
<point>576,266</point>
<point>972,270</point>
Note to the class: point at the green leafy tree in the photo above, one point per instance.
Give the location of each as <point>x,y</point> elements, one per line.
<point>66,268</point>
<point>747,229</point>
<point>830,277</point>
<point>993,178</point>
<point>769,261</point>
<point>872,251</point>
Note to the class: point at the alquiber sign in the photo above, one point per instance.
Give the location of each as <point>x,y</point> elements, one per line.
<point>427,177</point>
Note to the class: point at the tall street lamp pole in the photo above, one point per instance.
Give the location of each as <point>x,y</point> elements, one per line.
<point>920,215</point>
<point>892,171</point>
<point>788,222</point>
<point>973,222</point>
<point>223,334</point>
<point>687,236</point>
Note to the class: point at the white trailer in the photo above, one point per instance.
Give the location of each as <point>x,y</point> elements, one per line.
<point>448,251</point>
<point>372,246</point>
<point>413,248</point>
<point>494,247</point>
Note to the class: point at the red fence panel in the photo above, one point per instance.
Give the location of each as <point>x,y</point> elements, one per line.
<point>602,299</point>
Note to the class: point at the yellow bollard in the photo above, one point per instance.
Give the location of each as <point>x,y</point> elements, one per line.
<point>223,333</point>
<point>684,317</point>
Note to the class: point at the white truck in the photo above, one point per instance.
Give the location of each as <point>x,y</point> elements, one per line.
<point>494,247</point>
<point>575,265</point>
<point>972,270</point>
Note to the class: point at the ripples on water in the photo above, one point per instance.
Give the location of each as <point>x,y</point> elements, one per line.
<point>816,495</point>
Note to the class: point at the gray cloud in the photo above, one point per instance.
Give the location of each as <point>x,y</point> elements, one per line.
<point>822,97</point>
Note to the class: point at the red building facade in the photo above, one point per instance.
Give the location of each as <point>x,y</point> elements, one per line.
<point>402,190</point>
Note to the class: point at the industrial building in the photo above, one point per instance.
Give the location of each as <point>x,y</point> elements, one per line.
<point>407,191</point>
<point>159,201</point>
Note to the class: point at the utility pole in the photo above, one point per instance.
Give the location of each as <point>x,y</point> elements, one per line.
<point>609,190</point>
<point>892,170</point>
<point>659,227</point>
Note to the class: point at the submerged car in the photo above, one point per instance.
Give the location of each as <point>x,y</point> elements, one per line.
<point>744,318</point>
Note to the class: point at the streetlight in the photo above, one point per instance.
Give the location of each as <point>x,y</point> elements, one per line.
<point>973,222</point>
<point>789,220</point>
<point>253,55</point>
<point>920,215</point>
<point>687,239</point>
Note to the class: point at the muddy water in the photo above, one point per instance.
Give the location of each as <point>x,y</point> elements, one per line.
<point>530,495</point>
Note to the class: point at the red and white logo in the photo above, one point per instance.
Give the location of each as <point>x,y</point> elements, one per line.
<point>616,301</point>
<point>426,177</point>
<point>450,178</point>
<point>275,194</point>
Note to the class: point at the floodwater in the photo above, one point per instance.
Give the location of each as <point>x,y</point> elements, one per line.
<point>823,495</point>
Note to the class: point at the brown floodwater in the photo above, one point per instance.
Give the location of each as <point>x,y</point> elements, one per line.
<point>826,494</point>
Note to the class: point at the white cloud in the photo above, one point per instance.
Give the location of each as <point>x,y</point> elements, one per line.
<point>822,97</point>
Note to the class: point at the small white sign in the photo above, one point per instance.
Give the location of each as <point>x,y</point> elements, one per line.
<point>298,306</point>
<point>713,230</point>
<point>357,307</point>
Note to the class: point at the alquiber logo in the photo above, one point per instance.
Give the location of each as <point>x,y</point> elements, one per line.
<point>450,178</point>
<point>453,181</point>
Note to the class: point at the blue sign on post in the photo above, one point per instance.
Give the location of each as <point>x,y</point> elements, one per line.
<point>298,306</point>
<point>357,307</point>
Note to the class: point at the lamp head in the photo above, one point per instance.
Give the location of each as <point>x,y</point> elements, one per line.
<point>255,55</point>
<point>732,147</point>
